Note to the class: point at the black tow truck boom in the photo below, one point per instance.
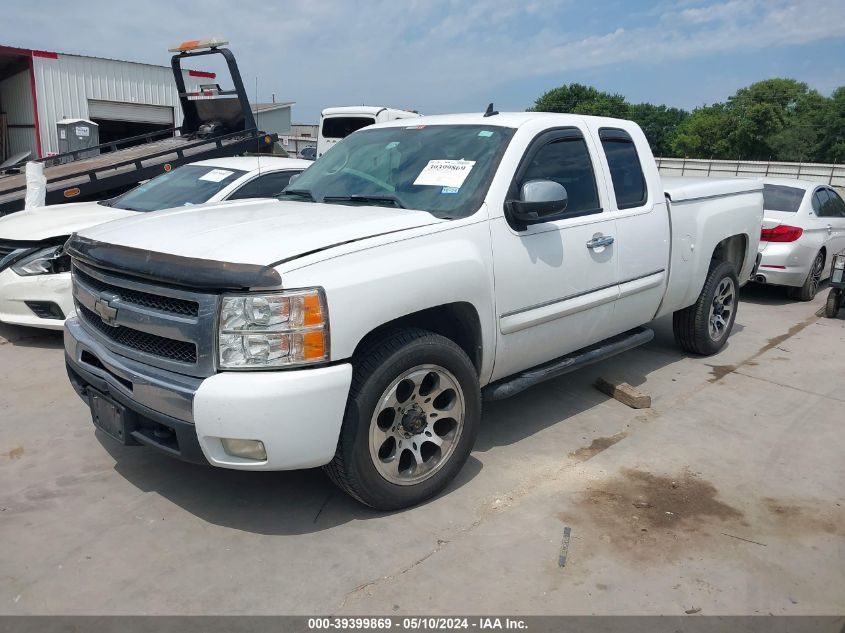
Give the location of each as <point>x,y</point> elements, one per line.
<point>216,123</point>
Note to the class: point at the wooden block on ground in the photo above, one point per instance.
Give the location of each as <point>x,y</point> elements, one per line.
<point>625,393</point>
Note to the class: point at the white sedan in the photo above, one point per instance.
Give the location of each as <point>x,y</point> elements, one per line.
<point>35,287</point>
<point>803,228</point>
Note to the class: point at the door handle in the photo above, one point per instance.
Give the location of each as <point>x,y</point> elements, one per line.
<point>600,240</point>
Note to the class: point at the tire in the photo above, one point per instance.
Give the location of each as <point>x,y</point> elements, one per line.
<point>807,292</point>
<point>692,325</point>
<point>409,389</point>
<point>834,301</point>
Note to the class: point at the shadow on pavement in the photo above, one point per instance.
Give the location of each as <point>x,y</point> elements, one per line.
<point>555,401</point>
<point>764,295</point>
<point>271,503</point>
<point>30,337</point>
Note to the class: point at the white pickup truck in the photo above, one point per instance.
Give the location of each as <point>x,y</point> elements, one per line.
<point>413,271</point>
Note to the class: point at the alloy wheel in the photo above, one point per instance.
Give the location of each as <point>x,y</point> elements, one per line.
<point>416,425</point>
<point>722,309</point>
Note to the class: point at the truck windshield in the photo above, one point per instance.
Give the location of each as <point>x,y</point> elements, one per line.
<point>442,169</point>
<point>189,184</point>
<point>782,198</point>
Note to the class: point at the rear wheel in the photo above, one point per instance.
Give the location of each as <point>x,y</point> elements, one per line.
<point>411,420</point>
<point>834,301</point>
<point>703,328</point>
<point>807,292</point>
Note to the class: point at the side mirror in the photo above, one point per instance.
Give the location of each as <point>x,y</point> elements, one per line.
<point>293,179</point>
<point>539,201</point>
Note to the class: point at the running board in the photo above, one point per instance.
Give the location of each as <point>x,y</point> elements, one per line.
<point>565,364</point>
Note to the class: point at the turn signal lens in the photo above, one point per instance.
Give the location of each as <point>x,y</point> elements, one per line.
<point>781,233</point>
<point>313,346</point>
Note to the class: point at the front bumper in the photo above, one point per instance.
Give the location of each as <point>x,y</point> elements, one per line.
<point>16,290</point>
<point>297,414</point>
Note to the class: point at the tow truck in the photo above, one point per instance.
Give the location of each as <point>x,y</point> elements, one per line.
<point>216,123</point>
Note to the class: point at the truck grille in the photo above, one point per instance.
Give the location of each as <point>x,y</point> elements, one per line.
<point>144,299</point>
<point>140,341</point>
<point>163,326</point>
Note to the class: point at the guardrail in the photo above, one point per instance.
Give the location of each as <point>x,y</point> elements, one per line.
<point>702,168</point>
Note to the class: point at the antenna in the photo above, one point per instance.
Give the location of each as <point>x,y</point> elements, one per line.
<point>257,141</point>
<point>490,111</point>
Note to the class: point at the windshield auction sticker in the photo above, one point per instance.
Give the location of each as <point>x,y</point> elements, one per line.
<point>216,175</point>
<point>445,173</point>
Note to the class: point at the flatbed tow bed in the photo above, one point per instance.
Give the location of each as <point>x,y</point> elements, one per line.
<point>212,127</point>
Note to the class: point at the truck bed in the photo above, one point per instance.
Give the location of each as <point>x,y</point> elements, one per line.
<point>678,189</point>
<point>702,211</point>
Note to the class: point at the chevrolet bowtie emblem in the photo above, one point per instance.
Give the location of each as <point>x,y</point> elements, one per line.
<point>104,308</point>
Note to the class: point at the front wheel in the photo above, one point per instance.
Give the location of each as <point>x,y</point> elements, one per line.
<point>411,420</point>
<point>834,301</point>
<point>703,328</point>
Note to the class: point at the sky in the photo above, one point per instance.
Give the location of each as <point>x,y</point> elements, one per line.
<point>439,56</point>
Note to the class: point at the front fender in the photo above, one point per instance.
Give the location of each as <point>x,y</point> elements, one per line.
<point>371,287</point>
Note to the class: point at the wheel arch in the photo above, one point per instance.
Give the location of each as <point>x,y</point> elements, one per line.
<point>732,249</point>
<point>458,321</point>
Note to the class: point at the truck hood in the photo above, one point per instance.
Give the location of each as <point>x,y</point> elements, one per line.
<point>258,232</point>
<point>58,220</point>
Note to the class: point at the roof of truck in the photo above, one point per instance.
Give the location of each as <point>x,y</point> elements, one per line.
<point>502,119</point>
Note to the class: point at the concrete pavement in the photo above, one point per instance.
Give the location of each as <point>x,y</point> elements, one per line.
<point>726,496</point>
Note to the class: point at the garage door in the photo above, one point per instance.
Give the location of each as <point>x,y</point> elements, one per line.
<point>133,112</point>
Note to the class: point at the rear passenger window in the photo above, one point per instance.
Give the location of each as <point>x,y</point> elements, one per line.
<point>825,206</point>
<point>567,161</point>
<point>837,206</point>
<point>818,200</point>
<point>625,168</point>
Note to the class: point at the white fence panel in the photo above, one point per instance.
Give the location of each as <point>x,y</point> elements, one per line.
<point>702,168</point>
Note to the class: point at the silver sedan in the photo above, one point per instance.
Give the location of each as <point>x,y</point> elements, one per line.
<point>803,228</point>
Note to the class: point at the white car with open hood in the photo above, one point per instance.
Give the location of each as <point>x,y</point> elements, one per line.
<point>34,271</point>
<point>414,270</point>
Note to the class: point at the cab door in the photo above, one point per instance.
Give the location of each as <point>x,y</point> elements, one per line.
<point>556,282</point>
<point>637,204</point>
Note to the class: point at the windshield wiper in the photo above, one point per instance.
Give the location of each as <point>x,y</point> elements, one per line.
<point>396,202</point>
<point>298,192</point>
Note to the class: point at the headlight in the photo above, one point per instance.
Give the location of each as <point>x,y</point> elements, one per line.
<point>262,331</point>
<point>47,261</point>
<point>839,262</point>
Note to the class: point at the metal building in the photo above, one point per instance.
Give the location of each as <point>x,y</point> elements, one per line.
<point>40,88</point>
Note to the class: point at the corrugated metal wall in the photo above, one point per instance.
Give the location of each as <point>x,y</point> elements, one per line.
<point>16,102</point>
<point>64,85</point>
<point>277,120</point>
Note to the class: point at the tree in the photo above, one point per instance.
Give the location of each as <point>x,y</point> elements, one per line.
<point>704,134</point>
<point>580,99</point>
<point>659,123</point>
<point>764,110</point>
<point>831,129</point>
<point>773,119</point>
